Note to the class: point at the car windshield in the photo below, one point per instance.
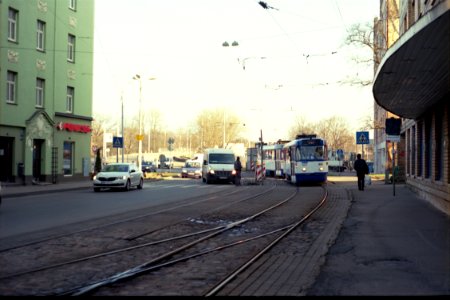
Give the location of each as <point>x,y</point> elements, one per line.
<point>221,158</point>
<point>192,165</point>
<point>115,168</point>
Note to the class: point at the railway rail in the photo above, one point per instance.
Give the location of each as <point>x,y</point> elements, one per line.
<point>179,237</point>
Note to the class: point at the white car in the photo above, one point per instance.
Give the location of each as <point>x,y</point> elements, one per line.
<point>191,169</point>
<point>119,175</point>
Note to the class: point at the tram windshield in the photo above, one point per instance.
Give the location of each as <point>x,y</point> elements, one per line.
<point>310,153</point>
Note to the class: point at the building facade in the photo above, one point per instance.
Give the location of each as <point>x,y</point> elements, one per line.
<point>386,29</point>
<point>413,82</point>
<point>46,65</point>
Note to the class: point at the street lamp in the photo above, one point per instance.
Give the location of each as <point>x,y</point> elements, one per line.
<point>140,136</point>
<point>233,44</point>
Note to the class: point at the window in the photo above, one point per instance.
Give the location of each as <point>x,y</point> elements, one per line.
<point>11,82</point>
<point>69,99</point>
<point>40,85</point>
<point>73,4</point>
<point>12,24</point>
<point>71,48</point>
<point>40,36</point>
<point>68,158</point>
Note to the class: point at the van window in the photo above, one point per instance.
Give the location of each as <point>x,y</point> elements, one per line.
<point>221,158</point>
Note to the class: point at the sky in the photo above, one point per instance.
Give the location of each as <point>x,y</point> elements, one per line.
<point>289,62</point>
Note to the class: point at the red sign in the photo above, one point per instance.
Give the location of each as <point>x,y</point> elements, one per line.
<point>73,127</point>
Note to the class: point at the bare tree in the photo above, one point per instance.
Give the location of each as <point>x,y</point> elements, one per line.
<point>301,126</point>
<point>335,131</point>
<point>100,125</point>
<point>216,127</point>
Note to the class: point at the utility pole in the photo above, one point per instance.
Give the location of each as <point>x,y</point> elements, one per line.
<point>123,142</point>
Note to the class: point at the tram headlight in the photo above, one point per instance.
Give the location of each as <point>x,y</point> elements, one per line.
<point>321,168</point>
<point>233,172</point>
<point>304,169</point>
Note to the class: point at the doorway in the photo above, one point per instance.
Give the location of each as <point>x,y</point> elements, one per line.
<point>37,159</point>
<point>6,159</point>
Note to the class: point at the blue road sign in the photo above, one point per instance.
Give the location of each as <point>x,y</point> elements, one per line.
<point>362,137</point>
<point>117,142</point>
<point>339,152</point>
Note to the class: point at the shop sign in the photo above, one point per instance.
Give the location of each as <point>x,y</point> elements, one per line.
<point>73,127</point>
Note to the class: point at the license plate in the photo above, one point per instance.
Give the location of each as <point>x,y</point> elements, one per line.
<point>222,177</point>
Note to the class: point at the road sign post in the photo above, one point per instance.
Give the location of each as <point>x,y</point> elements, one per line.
<point>362,138</point>
<point>117,143</point>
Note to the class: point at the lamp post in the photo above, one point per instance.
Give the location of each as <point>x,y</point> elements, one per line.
<point>140,136</point>
<point>139,163</point>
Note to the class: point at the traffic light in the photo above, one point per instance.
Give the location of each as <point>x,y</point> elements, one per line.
<point>393,126</point>
<point>170,143</point>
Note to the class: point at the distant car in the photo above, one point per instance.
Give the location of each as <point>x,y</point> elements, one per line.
<point>119,176</point>
<point>165,163</point>
<point>191,169</point>
<point>148,166</point>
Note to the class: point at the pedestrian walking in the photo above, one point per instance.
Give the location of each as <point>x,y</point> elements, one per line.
<point>361,169</point>
<point>238,169</point>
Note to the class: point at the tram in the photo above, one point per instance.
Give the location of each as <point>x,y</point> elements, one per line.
<point>274,159</point>
<point>306,160</point>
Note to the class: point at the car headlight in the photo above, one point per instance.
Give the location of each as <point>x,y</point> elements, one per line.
<point>95,177</point>
<point>183,171</point>
<point>211,172</point>
<point>124,177</point>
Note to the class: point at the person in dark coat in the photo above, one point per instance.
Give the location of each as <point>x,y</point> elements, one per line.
<point>238,169</point>
<point>361,169</point>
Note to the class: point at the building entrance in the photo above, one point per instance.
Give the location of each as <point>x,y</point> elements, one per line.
<point>37,159</point>
<point>6,159</point>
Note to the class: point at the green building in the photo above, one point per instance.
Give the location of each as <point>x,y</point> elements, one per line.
<point>46,65</point>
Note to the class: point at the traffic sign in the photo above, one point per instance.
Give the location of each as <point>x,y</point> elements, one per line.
<point>117,142</point>
<point>139,137</point>
<point>392,138</point>
<point>362,137</point>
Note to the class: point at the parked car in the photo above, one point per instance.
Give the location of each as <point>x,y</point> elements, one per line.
<point>191,169</point>
<point>165,162</point>
<point>119,176</point>
<point>148,166</point>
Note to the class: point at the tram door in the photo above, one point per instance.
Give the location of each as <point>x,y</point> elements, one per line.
<point>37,159</point>
<point>294,160</point>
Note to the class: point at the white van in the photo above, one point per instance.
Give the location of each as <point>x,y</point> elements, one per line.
<point>218,165</point>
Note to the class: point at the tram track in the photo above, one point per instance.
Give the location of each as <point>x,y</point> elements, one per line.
<point>165,256</point>
<point>121,220</point>
<point>93,237</point>
<point>221,245</point>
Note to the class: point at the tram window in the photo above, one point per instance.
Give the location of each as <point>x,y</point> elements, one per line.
<point>319,152</point>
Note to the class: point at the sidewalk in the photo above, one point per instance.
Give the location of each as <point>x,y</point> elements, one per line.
<point>16,190</point>
<point>388,245</point>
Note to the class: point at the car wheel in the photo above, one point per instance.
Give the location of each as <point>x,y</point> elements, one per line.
<point>96,190</point>
<point>141,184</point>
<point>127,186</point>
